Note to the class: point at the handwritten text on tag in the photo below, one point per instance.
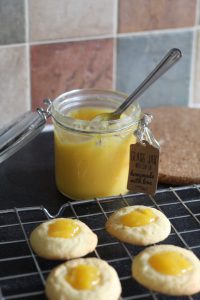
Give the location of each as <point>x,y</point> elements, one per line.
<point>143,168</point>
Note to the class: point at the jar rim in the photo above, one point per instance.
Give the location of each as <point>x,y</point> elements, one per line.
<point>85,98</point>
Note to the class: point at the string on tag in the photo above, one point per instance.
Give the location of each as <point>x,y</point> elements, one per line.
<point>144,133</point>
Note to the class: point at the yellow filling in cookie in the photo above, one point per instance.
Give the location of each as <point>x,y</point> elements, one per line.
<point>83,277</point>
<point>63,228</point>
<point>138,217</point>
<point>170,263</point>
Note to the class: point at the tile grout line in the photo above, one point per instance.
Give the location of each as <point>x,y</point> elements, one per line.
<point>27,45</point>
<point>118,35</point>
<point>197,14</point>
<point>156,31</point>
<point>104,36</point>
<point>192,71</point>
<point>193,59</point>
<point>115,28</point>
<point>197,103</point>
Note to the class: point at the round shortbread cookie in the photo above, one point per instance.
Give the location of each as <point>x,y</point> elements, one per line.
<point>186,283</point>
<point>50,247</point>
<point>108,286</point>
<point>148,234</point>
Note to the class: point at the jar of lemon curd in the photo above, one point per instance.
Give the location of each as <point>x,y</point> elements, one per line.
<point>92,158</point>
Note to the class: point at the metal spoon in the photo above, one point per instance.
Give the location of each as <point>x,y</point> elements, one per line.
<point>166,63</point>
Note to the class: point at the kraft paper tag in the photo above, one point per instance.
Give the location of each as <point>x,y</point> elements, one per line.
<point>143,168</point>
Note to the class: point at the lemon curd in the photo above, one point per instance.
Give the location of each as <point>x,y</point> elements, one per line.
<point>63,229</point>
<point>87,113</point>
<point>138,217</point>
<point>170,263</point>
<point>92,165</point>
<point>83,277</point>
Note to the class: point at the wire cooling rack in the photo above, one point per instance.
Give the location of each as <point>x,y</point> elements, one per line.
<point>23,274</point>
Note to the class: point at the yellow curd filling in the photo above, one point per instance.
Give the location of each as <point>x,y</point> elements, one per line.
<point>83,277</point>
<point>170,263</point>
<point>87,113</point>
<point>138,217</point>
<point>92,165</point>
<point>63,228</point>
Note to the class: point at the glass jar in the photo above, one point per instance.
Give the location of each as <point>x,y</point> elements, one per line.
<point>92,158</point>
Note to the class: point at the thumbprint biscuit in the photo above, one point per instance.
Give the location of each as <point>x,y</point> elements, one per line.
<point>84,279</point>
<point>63,238</point>
<point>168,269</point>
<point>138,225</point>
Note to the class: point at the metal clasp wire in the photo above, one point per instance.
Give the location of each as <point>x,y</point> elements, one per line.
<point>144,133</point>
<point>45,113</point>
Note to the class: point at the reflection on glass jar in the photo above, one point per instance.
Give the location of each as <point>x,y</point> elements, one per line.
<point>92,158</point>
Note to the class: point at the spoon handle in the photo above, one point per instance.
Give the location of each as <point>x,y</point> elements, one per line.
<point>167,62</point>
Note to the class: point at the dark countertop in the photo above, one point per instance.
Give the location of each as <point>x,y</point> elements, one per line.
<point>27,178</point>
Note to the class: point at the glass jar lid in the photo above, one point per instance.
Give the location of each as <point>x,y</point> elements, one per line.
<point>68,102</point>
<point>14,136</point>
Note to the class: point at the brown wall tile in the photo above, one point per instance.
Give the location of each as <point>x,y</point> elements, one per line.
<point>57,68</point>
<point>141,15</point>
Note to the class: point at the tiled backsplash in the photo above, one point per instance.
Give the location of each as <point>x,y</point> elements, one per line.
<point>48,47</point>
